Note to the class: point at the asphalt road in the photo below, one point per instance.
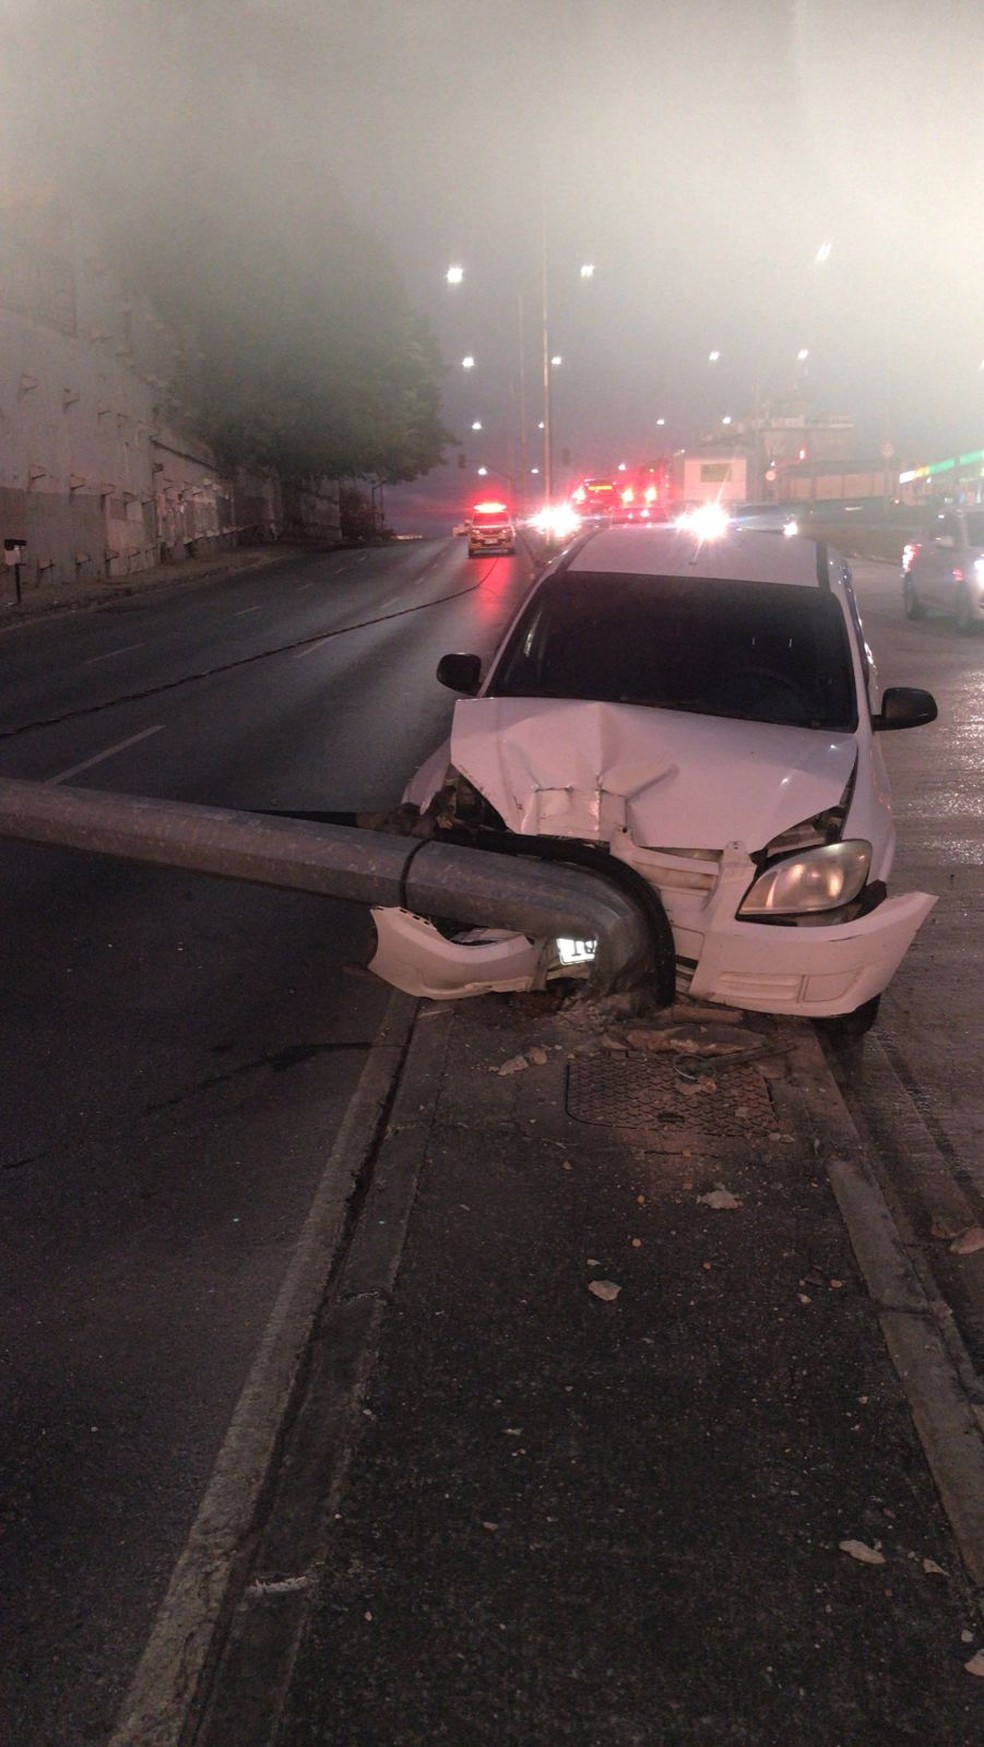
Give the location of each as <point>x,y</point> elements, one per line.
<point>178,1056</point>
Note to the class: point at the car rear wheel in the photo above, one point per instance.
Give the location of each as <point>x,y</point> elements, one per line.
<point>914,608</point>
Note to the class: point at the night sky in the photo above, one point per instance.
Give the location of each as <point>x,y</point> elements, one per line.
<point>699,155</point>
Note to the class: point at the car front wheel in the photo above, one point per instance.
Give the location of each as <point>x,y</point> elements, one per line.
<point>914,608</point>
<point>843,1027</point>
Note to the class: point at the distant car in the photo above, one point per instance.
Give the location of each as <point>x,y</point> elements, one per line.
<point>703,713</point>
<point>491,530</point>
<point>943,571</point>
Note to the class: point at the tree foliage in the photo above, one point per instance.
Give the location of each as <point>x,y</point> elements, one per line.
<point>194,136</point>
<point>307,358</point>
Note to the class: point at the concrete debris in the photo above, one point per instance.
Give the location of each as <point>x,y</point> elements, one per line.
<point>514,1065</point>
<point>538,1056</point>
<point>944,1228</point>
<point>704,1040</point>
<point>976,1665</point>
<point>932,1569</point>
<point>969,1241</point>
<point>861,1551</point>
<point>606,1290</point>
<point>720,1198</point>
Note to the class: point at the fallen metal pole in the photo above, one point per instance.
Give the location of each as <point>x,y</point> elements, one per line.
<point>473,886</point>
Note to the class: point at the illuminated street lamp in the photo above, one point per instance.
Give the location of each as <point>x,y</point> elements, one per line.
<point>476,424</point>
<point>455,275</point>
<point>587,270</point>
<point>468,362</point>
<point>712,357</point>
<point>823,253</point>
<point>802,354</point>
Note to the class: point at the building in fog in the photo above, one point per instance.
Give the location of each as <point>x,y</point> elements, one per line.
<point>99,472</point>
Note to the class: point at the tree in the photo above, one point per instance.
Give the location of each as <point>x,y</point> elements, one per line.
<point>204,158</point>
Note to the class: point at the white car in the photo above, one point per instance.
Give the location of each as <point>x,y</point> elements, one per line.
<point>705,713</point>
<point>944,570</point>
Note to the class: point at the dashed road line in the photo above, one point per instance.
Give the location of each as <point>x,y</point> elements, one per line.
<point>100,757</point>
<point>127,649</point>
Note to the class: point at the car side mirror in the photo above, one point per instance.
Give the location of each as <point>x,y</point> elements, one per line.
<point>460,673</point>
<point>905,706</point>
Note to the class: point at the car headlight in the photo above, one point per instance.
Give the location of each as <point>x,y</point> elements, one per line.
<point>979,572</point>
<point>820,879</point>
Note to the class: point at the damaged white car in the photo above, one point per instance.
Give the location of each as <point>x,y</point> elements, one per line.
<point>702,713</point>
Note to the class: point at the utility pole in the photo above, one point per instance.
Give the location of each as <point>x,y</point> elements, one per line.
<point>547,445</point>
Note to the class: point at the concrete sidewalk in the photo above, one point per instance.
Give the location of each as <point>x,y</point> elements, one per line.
<point>602,1441</point>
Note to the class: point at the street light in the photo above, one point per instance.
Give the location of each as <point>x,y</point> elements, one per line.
<point>468,362</point>
<point>455,275</point>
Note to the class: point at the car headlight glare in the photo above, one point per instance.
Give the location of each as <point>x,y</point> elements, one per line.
<point>821,879</point>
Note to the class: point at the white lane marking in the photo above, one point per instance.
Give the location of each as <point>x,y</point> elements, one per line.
<point>183,1639</point>
<point>299,654</point>
<point>110,752</point>
<point>126,649</point>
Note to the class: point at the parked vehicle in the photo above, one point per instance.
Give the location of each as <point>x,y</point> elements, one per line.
<point>944,571</point>
<point>701,715</point>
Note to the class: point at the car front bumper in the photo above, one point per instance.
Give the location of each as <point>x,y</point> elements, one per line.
<point>811,972</point>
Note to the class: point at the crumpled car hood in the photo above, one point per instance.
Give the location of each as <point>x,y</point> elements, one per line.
<point>568,768</point>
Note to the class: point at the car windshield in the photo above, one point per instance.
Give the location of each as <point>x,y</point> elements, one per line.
<point>759,652</point>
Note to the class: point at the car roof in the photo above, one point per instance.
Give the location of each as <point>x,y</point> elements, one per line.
<point>740,555</point>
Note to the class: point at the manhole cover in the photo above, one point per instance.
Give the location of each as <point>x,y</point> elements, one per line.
<point>713,1101</point>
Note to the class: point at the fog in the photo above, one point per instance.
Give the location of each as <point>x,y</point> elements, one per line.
<point>698,154</point>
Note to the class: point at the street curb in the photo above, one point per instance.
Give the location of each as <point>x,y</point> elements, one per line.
<point>87,598</point>
<point>253,1674</point>
<point>917,1331</point>
<point>182,1646</point>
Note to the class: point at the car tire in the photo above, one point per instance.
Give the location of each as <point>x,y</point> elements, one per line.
<point>914,608</point>
<point>963,613</point>
<point>844,1027</point>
